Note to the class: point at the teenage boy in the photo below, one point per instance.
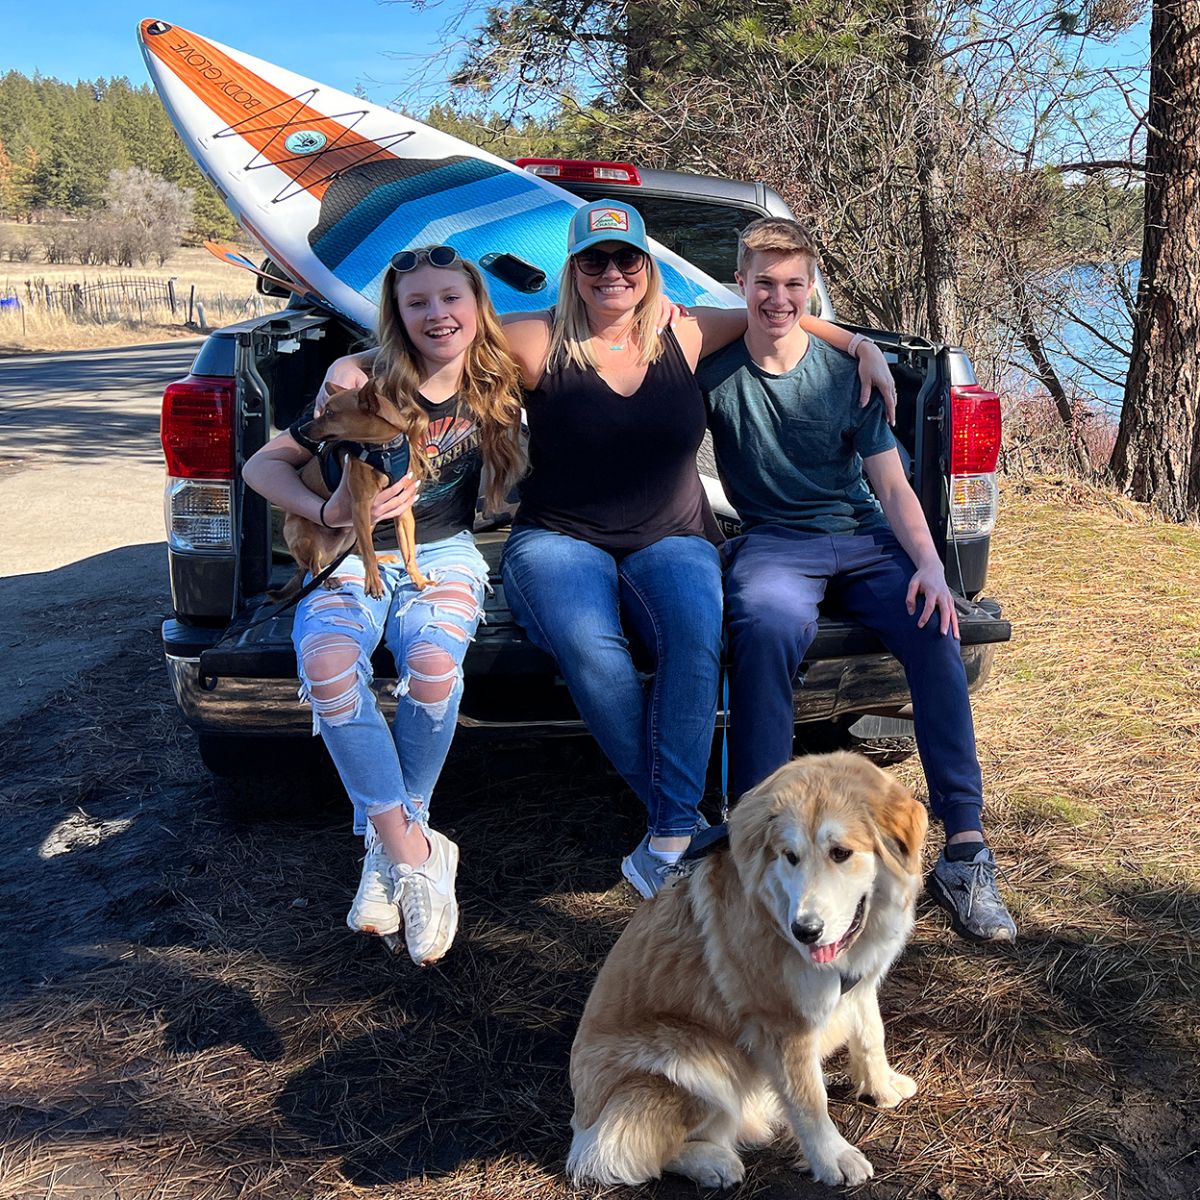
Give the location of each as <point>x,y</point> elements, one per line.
<point>795,450</point>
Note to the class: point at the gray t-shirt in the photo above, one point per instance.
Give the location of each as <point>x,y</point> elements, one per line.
<point>789,447</point>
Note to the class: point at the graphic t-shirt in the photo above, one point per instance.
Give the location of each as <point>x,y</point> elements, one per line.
<point>789,448</point>
<point>446,504</point>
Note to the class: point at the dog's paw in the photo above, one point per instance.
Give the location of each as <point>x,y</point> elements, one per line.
<point>332,583</point>
<point>843,1164</point>
<point>709,1165</point>
<point>890,1090</point>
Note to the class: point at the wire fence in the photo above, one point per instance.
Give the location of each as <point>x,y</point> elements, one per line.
<point>126,299</point>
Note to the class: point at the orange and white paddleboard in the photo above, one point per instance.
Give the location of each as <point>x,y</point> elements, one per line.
<point>332,186</point>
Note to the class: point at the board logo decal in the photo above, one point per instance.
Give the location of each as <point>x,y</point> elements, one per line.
<point>609,218</point>
<point>305,141</point>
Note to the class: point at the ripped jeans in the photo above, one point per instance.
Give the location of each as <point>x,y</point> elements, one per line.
<point>336,632</point>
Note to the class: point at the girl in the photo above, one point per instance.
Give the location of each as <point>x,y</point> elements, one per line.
<point>442,352</point>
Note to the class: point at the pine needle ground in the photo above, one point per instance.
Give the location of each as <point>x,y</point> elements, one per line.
<point>184,1016</point>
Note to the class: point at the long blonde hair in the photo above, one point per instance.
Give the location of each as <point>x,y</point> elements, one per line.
<point>490,386</point>
<point>570,332</point>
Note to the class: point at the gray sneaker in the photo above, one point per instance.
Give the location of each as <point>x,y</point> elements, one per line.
<point>645,871</point>
<point>967,891</point>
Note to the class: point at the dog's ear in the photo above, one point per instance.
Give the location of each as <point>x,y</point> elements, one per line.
<point>750,825</point>
<point>368,398</point>
<point>902,823</point>
<point>332,389</point>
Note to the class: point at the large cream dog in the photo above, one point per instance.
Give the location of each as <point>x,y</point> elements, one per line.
<point>707,1025</point>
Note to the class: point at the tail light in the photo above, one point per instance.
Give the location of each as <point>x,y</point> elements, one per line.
<point>197,433</point>
<point>197,427</point>
<point>578,170</point>
<point>974,450</point>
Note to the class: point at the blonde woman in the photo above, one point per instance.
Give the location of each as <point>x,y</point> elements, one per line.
<point>441,352</point>
<point>614,539</point>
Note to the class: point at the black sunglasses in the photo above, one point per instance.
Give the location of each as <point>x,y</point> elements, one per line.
<point>627,260</point>
<point>435,256</point>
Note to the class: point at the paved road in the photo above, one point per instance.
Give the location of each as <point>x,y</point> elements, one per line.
<point>82,559</point>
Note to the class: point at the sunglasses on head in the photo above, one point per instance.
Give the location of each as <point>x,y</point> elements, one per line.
<point>435,256</point>
<point>627,260</point>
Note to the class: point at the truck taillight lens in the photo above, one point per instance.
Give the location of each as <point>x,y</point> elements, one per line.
<point>578,170</point>
<point>199,515</point>
<point>197,433</point>
<point>974,450</point>
<point>197,427</point>
<point>974,431</point>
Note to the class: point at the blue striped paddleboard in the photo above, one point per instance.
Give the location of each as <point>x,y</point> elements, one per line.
<point>332,186</point>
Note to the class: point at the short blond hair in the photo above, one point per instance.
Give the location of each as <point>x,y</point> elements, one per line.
<point>776,235</point>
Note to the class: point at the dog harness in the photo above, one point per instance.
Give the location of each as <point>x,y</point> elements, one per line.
<point>390,458</point>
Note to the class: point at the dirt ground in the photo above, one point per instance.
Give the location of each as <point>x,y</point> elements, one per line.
<point>183,1013</point>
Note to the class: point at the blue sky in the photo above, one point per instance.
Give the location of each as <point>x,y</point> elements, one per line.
<point>379,45</point>
<point>366,42</point>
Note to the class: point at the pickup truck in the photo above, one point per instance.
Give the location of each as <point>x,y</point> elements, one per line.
<point>234,675</point>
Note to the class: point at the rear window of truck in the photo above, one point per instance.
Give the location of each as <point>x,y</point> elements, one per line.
<point>705,232</point>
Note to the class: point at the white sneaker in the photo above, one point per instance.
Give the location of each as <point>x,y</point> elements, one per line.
<point>426,898</point>
<point>375,909</point>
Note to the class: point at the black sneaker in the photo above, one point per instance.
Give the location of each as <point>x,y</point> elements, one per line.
<point>967,891</point>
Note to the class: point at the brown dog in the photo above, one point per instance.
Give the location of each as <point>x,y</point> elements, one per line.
<point>352,415</point>
<point>708,1023</point>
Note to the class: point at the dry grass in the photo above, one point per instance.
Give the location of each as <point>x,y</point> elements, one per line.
<point>227,293</point>
<point>188,1019</point>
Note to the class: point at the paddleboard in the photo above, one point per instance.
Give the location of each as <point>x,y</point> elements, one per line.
<point>332,186</point>
<point>232,256</point>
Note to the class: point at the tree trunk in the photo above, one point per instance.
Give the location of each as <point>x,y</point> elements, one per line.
<point>939,260</point>
<point>1047,376</point>
<point>1157,454</point>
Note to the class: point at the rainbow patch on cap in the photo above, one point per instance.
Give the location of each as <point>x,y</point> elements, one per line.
<point>608,218</point>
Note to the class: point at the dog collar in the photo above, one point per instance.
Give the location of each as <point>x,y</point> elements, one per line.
<point>389,458</point>
<point>716,837</point>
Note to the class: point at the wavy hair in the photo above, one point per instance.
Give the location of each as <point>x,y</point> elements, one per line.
<point>569,332</point>
<point>490,387</point>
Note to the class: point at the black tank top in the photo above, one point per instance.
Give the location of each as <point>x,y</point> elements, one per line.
<point>617,471</point>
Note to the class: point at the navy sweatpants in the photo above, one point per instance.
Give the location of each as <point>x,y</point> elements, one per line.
<point>775,578</point>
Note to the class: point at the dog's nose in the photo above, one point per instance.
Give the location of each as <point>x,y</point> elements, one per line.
<point>808,929</point>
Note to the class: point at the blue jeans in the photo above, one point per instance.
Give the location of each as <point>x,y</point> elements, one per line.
<point>576,602</point>
<point>775,578</point>
<point>336,632</point>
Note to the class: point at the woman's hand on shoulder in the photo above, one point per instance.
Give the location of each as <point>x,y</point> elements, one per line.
<point>686,328</point>
<point>349,371</point>
<point>528,336</point>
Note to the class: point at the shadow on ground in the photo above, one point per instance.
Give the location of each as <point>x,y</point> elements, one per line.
<point>183,1009</point>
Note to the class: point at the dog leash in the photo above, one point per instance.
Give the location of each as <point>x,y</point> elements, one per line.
<point>310,587</point>
<point>725,745</point>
